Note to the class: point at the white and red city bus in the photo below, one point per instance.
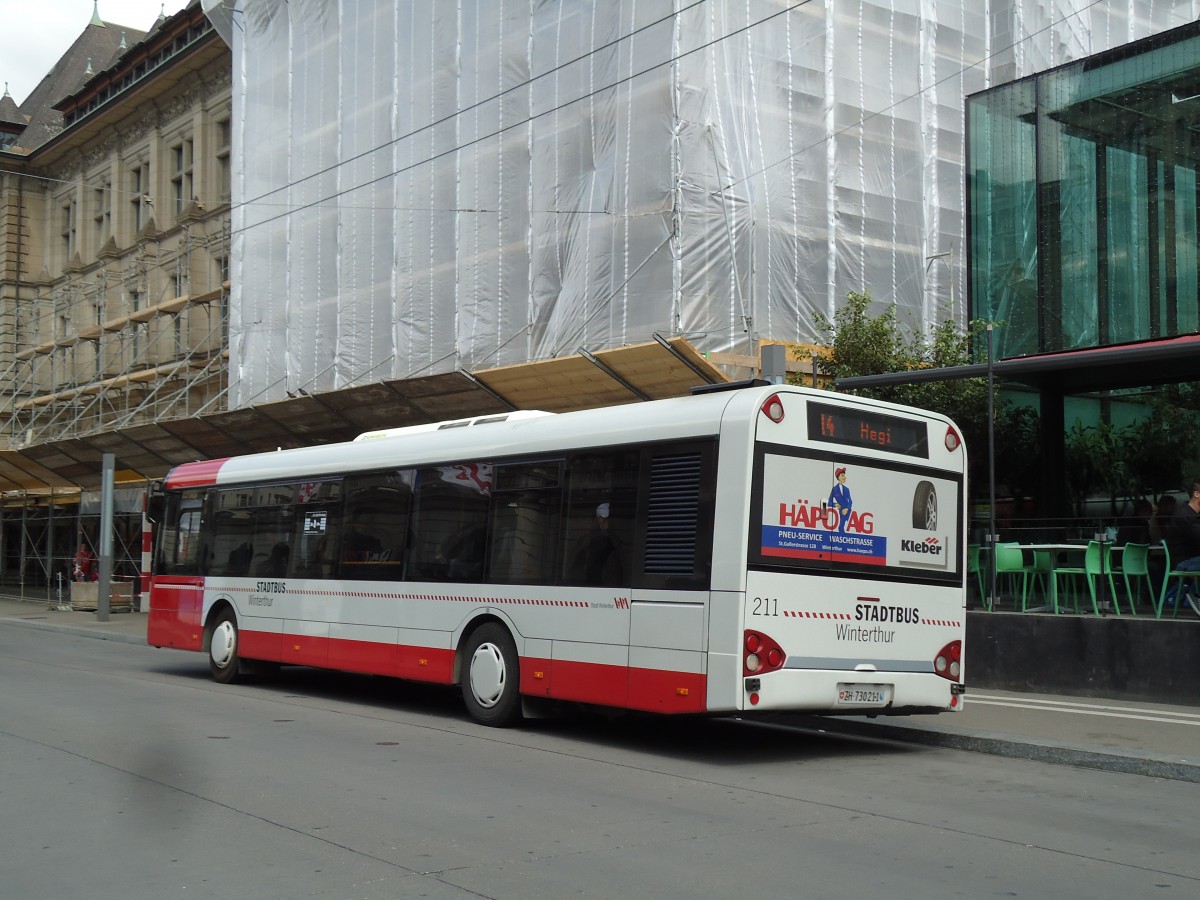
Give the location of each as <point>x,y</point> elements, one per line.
<point>759,548</point>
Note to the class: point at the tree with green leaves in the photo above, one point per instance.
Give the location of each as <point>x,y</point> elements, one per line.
<point>862,343</point>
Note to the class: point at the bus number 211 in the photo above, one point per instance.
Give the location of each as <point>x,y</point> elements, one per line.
<point>766,606</point>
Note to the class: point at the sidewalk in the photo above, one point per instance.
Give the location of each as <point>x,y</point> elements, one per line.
<point>129,627</point>
<point>1138,738</point>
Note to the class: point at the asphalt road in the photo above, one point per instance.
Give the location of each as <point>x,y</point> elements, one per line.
<point>125,772</point>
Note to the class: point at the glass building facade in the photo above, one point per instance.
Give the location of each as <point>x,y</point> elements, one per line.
<point>1083,194</point>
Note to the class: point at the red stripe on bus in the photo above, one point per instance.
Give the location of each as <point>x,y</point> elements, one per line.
<point>197,474</point>
<point>651,690</point>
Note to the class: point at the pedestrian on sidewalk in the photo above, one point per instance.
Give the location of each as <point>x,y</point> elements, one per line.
<point>1183,543</point>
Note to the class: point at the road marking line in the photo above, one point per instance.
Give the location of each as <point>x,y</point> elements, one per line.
<point>1033,701</point>
<point>1104,711</point>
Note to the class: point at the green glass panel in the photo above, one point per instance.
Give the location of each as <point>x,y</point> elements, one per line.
<point>1004,216</point>
<point>1076,246</point>
<point>1187,265</point>
<point>1128,262</point>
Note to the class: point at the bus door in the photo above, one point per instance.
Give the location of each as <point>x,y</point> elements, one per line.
<point>176,585</point>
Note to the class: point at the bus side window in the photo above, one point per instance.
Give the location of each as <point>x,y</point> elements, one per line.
<point>232,542</point>
<point>601,510</point>
<point>317,520</point>
<point>525,522</point>
<point>374,530</point>
<point>271,522</point>
<point>450,522</point>
<point>179,539</point>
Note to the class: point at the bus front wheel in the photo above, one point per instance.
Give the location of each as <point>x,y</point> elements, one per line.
<point>491,676</point>
<point>223,648</point>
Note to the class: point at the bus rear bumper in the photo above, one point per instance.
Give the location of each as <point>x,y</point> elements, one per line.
<point>851,692</point>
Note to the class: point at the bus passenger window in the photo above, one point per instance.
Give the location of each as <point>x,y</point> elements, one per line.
<point>314,541</point>
<point>374,543</point>
<point>232,543</point>
<point>526,523</point>
<point>602,503</point>
<point>451,522</point>
<point>179,542</point>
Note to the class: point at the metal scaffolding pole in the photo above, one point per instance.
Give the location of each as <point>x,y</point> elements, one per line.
<point>103,589</point>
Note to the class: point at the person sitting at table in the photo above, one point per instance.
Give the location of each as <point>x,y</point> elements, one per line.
<point>1163,511</point>
<point>1183,543</point>
<point>1136,528</point>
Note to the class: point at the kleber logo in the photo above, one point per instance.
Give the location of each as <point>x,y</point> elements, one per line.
<point>928,553</point>
<point>930,545</point>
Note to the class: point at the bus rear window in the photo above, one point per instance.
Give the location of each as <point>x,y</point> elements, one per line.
<point>846,512</point>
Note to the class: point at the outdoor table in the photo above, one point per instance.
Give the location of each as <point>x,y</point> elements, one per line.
<point>1062,549</point>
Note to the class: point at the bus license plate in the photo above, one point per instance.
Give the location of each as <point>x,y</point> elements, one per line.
<point>864,694</point>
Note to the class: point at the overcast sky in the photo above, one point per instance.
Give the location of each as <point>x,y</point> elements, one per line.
<point>35,33</point>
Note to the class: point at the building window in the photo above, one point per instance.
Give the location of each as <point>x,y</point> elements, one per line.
<point>181,177</point>
<point>222,264</point>
<point>180,344</point>
<point>69,235</point>
<point>224,146</point>
<point>139,186</point>
<point>223,311</point>
<point>102,215</point>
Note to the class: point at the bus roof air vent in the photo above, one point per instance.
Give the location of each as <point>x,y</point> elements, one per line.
<point>515,416</point>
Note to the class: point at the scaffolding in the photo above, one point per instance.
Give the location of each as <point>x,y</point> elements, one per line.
<point>130,342</point>
<point>42,534</point>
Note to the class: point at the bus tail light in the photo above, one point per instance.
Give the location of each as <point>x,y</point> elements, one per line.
<point>953,441</point>
<point>761,654</point>
<point>773,409</point>
<point>948,662</point>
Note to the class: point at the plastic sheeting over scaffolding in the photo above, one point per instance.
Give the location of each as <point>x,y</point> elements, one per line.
<point>421,187</point>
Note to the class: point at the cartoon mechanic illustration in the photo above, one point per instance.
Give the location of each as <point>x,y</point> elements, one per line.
<point>839,497</point>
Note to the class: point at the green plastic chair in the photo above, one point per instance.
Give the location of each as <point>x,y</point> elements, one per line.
<point>1173,575</point>
<point>1010,562</point>
<point>1042,569</point>
<point>974,568</point>
<point>1135,570</point>
<point>1094,566</point>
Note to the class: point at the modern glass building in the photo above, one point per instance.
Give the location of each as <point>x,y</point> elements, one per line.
<point>1083,199</point>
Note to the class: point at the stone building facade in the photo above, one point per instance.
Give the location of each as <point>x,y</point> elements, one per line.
<point>115,177</point>
<point>114,234</point>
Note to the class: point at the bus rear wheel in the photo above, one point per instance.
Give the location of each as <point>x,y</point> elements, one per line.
<point>223,648</point>
<point>491,676</point>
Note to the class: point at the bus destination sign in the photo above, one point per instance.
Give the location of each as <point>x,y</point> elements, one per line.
<point>862,428</point>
